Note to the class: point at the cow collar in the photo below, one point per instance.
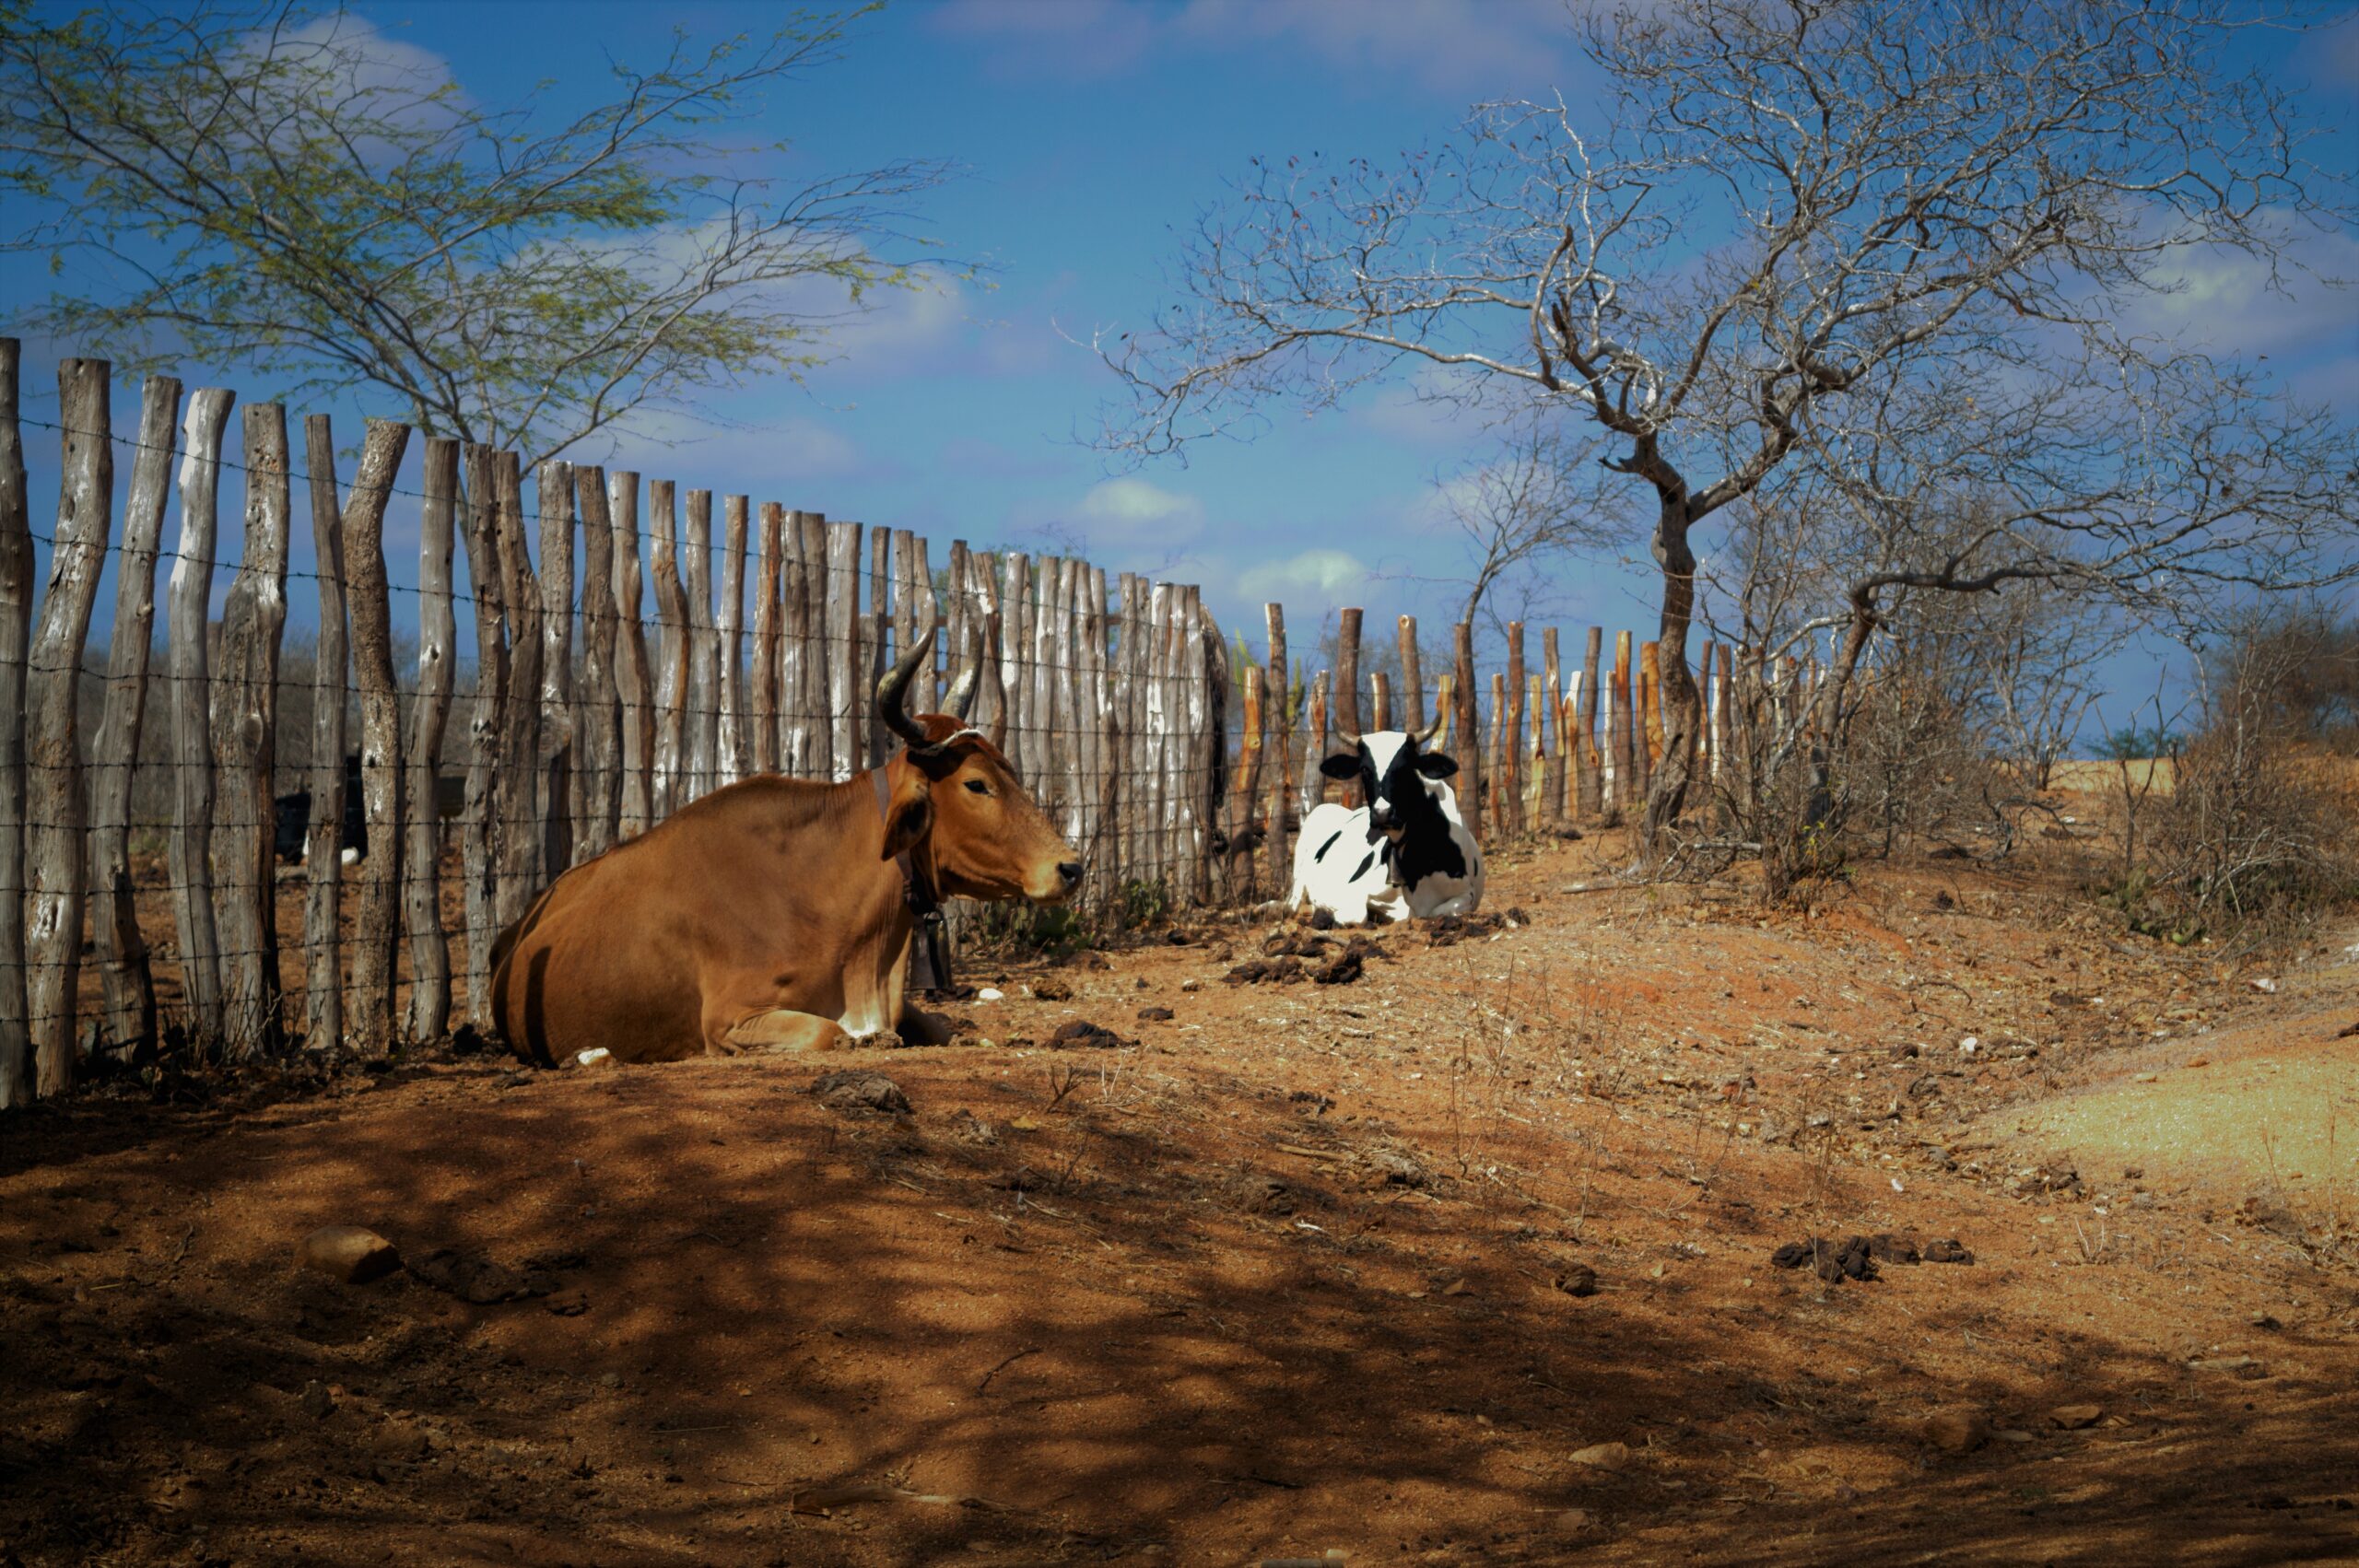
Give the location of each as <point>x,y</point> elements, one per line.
<point>932,968</point>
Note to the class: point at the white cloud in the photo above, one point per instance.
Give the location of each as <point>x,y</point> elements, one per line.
<point>1124,517</point>
<point>1447,45</point>
<point>1320,578</point>
<point>2223,300</point>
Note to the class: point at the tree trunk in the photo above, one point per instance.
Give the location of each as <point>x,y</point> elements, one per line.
<point>1667,790</point>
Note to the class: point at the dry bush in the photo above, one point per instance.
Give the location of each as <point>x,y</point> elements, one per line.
<point>2257,839</point>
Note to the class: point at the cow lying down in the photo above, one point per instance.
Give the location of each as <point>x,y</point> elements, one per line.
<point>1404,853</point>
<point>779,914</point>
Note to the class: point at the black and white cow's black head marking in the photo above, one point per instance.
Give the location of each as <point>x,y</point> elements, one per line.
<point>1392,773</point>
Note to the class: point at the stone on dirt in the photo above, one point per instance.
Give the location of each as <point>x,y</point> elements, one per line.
<point>1576,1280</point>
<point>1955,1432</point>
<point>2072,1418</point>
<point>1154,1014</point>
<point>316,1401</point>
<point>856,1089</point>
<point>351,1255</point>
<point>1603,1455</point>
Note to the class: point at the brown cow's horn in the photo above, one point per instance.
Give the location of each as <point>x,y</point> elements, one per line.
<point>892,695</point>
<point>1432,731</point>
<point>961,695</point>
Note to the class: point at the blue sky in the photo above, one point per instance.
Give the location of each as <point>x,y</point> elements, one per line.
<point>1091,132</point>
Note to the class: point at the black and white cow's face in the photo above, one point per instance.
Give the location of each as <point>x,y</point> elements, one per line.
<point>1393,774</point>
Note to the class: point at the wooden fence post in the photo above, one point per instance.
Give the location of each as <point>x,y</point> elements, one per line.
<point>636,806</point>
<point>1536,771</point>
<point>518,831</point>
<point>323,837</point>
<point>704,650</point>
<point>818,649</point>
<point>56,851</point>
<point>1103,734</point>
<point>1510,785</point>
<point>670,720</point>
<point>490,794</point>
<point>1619,726</point>
<point>1553,790</point>
<point>1470,731</point>
<point>375,934</point>
<point>553,494</point>
<point>1412,677</point>
<point>437,636</point>
<point>245,724</point>
<point>122,951</point>
<point>598,777</point>
<point>1313,791</point>
<point>729,645</point>
<point>797,743</point>
<point>1379,700</point>
<point>1277,744</point>
<point>875,631</point>
<point>15,633</point>
<point>188,663</point>
<point>766,566</point>
<point>1590,759</point>
<point>1245,791</point>
<point>847,719</point>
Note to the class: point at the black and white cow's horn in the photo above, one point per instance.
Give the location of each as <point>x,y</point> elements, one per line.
<point>893,691</point>
<point>961,696</point>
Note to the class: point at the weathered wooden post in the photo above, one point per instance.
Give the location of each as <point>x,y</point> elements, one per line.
<point>1343,700</point>
<point>1313,791</point>
<point>669,740</point>
<point>1412,677</point>
<point>731,743</point>
<point>636,806</point>
<point>375,932</point>
<point>847,715</point>
<point>767,564</point>
<point>15,634</point>
<point>1624,769</point>
<point>1650,703</point>
<point>188,665</point>
<point>1536,769</point>
<point>704,650</point>
<point>323,835</point>
<point>56,851</point>
<point>876,630</point>
<point>1552,791</point>
<point>1470,731</point>
<point>1590,759</point>
<point>1014,652</point>
<point>1511,789</point>
<point>245,724</point>
<point>819,646</point>
<point>1499,759</point>
<point>553,494</point>
<point>519,830</point>
<point>797,744</point>
<point>491,795</point>
<point>1245,790</point>
<point>114,757</point>
<point>437,636</point>
<point>1379,700</point>
<point>598,777</point>
<point>1277,744</point>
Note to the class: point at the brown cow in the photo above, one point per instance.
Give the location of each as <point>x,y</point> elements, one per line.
<point>777,914</point>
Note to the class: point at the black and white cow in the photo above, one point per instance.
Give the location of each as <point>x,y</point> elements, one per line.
<point>1406,853</point>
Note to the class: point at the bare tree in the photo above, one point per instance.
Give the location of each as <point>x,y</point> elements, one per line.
<point>1775,211</point>
<point>268,184</point>
<point>1520,510</point>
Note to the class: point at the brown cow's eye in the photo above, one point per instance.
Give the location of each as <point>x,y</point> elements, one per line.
<point>979,787</point>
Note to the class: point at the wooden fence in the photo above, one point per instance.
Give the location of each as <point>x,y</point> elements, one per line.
<point>592,700</point>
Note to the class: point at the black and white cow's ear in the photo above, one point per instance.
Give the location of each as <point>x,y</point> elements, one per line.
<point>1343,765</point>
<point>1435,765</point>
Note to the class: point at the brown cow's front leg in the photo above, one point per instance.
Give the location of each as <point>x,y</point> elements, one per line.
<point>730,1028</point>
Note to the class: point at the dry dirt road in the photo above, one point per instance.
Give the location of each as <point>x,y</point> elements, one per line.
<point>1299,1267</point>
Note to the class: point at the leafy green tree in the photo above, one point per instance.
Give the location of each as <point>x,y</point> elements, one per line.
<point>297,191</point>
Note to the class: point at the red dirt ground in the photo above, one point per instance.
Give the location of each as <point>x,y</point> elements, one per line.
<point>1286,1275</point>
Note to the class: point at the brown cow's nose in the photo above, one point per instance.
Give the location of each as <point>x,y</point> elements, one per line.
<point>1071,870</point>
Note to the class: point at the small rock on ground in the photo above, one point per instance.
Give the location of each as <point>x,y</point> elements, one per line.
<point>2071,1418</point>
<point>351,1255</point>
<point>1956,1432</point>
<point>1603,1455</point>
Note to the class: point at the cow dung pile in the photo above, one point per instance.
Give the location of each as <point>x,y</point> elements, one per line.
<point>1283,963</point>
<point>1855,1258</point>
<point>855,1089</point>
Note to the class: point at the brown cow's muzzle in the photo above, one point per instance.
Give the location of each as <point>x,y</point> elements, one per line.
<point>1055,883</point>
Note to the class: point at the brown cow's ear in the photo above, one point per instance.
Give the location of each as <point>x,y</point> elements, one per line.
<point>912,817</point>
